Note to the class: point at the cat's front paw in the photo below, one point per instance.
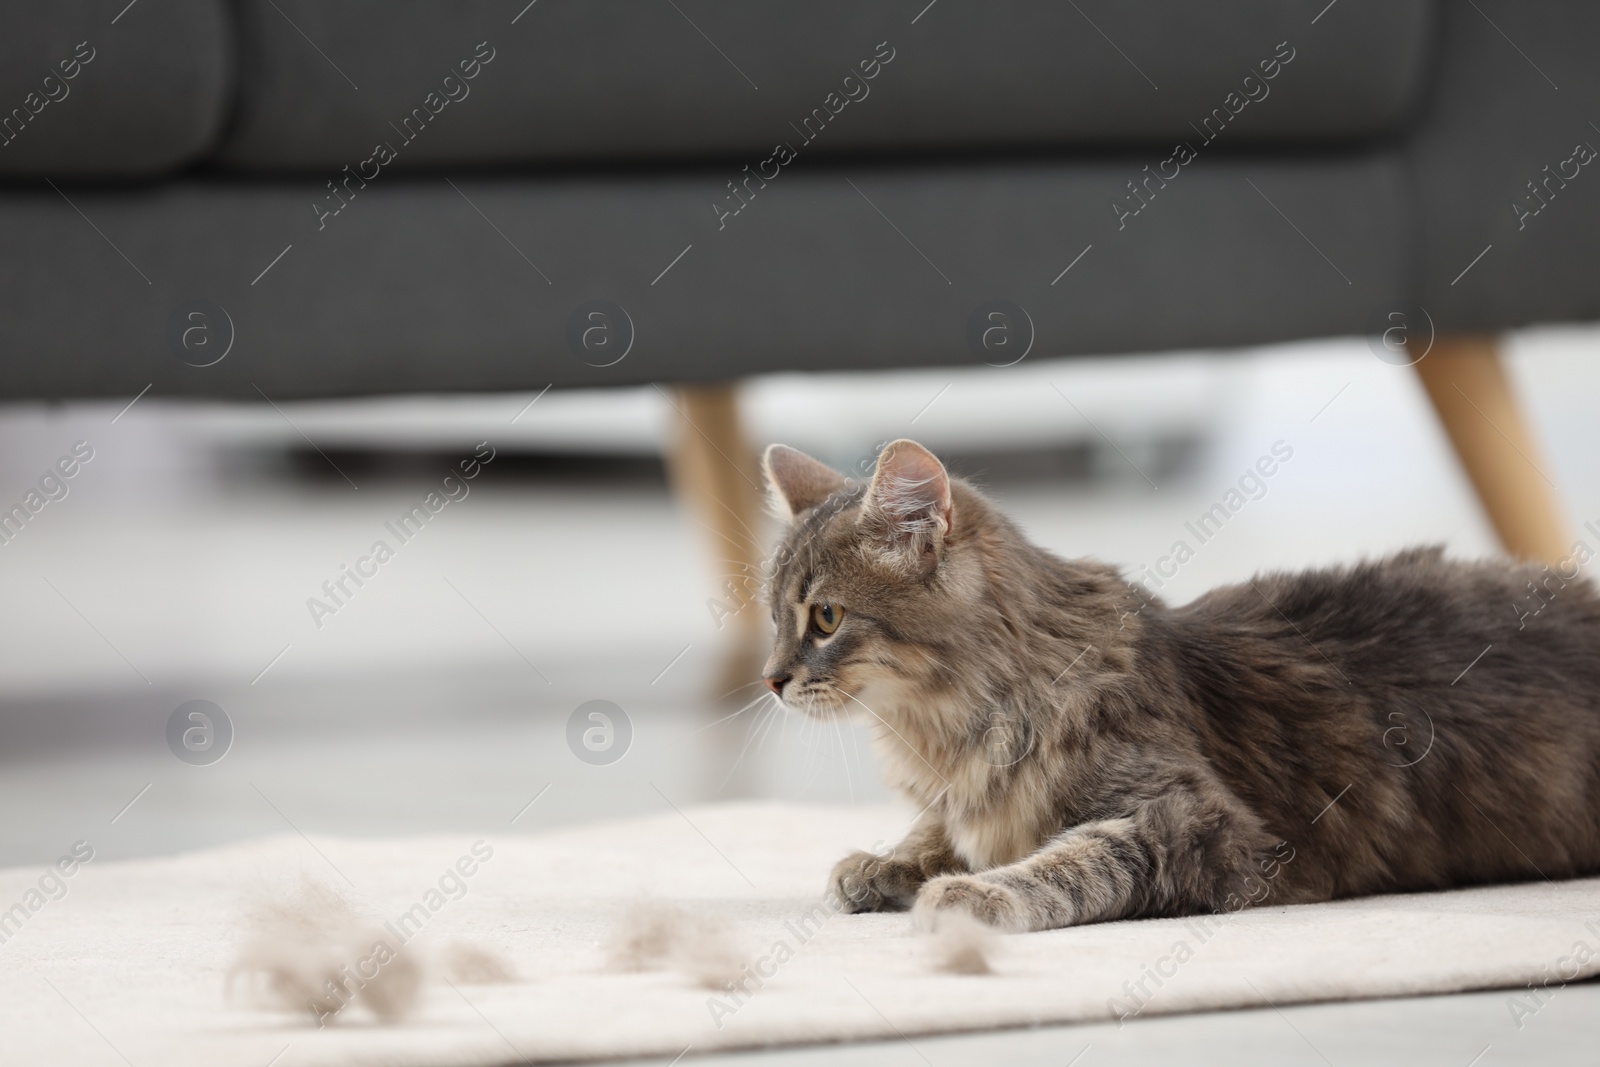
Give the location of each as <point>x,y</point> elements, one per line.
<point>865,882</point>
<point>986,901</point>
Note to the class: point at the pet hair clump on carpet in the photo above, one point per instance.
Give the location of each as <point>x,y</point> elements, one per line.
<point>653,935</point>
<point>960,943</point>
<point>313,952</point>
<point>468,964</point>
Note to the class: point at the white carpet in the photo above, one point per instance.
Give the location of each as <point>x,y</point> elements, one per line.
<point>132,961</point>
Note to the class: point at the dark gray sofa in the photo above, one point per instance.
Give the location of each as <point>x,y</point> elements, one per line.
<point>579,171</point>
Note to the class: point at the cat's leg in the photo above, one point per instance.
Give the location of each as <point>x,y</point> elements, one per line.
<point>865,881</point>
<point>1182,851</point>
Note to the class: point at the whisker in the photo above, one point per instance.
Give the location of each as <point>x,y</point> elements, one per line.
<point>724,536</point>
<point>849,783</point>
<point>807,774</point>
<point>892,730</point>
<point>725,718</point>
<point>752,534</point>
<point>736,688</point>
<point>939,796</point>
<point>805,757</point>
<point>740,572</point>
<point>820,753</point>
<point>780,717</point>
<point>750,737</point>
<point>856,748</point>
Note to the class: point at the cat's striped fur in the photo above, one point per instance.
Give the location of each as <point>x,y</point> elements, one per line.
<point>1083,751</point>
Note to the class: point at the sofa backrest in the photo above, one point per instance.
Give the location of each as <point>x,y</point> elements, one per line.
<point>306,85</point>
<point>91,89</point>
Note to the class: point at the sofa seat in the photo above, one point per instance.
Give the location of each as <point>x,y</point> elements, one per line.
<point>418,286</point>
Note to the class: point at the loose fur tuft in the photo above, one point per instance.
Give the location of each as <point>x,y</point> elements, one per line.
<point>960,943</point>
<point>313,952</point>
<point>652,935</point>
<point>469,964</point>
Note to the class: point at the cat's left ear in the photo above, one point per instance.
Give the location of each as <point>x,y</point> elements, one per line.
<point>799,483</point>
<point>909,498</point>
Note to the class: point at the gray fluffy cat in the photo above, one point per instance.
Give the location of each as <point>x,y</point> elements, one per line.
<point>1083,751</point>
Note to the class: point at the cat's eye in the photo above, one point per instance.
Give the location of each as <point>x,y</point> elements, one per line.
<point>826,617</point>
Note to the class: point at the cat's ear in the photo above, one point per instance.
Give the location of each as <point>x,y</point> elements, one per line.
<point>909,498</point>
<point>799,483</point>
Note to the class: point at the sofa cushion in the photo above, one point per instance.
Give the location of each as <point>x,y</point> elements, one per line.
<point>515,283</point>
<point>504,83</point>
<point>93,89</point>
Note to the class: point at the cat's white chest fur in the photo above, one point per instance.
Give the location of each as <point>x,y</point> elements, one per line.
<point>991,838</point>
<point>985,831</point>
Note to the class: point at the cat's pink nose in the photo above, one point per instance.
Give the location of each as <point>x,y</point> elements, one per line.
<point>776,682</point>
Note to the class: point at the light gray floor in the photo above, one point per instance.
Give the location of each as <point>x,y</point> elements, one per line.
<point>1467,1030</point>
<point>437,700</point>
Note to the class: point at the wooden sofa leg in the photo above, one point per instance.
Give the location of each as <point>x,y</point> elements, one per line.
<point>1471,393</point>
<point>718,482</point>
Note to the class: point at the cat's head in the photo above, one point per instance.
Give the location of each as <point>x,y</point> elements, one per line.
<point>873,586</point>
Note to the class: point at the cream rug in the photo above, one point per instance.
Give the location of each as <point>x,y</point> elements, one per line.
<point>132,960</point>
